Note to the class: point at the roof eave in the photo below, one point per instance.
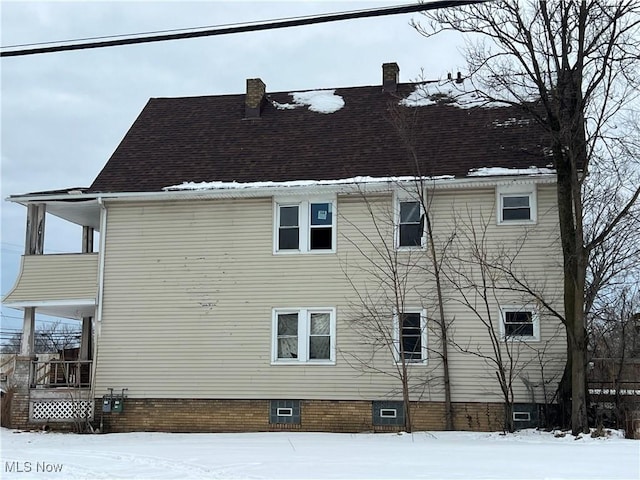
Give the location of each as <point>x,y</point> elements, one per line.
<point>281,190</point>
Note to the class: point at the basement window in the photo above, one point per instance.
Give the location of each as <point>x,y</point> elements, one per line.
<point>387,413</point>
<point>521,416</point>
<point>285,411</point>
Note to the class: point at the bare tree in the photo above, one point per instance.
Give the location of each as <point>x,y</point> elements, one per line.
<point>392,284</point>
<point>482,275</point>
<point>615,354</point>
<point>51,339</point>
<point>573,65</point>
<point>404,122</point>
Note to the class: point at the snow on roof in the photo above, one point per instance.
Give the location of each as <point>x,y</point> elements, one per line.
<point>496,171</point>
<point>321,101</point>
<point>476,172</point>
<point>447,93</point>
<point>612,391</point>
<point>512,121</point>
<point>297,183</point>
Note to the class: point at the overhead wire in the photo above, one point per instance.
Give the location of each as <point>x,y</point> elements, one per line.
<point>242,28</point>
<point>154,32</point>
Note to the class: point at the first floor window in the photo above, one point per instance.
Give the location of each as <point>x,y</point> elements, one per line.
<point>411,336</point>
<point>288,335</point>
<point>319,336</point>
<point>304,335</point>
<point>520,323</point>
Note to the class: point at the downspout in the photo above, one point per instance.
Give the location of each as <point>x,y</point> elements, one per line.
<point>98,323</point>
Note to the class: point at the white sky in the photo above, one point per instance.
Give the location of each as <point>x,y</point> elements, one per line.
<point>64,113</point>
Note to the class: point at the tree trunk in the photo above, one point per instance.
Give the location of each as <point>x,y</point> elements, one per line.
<point>574,280</point>
<point>448,406</point>
<point>405,396</point>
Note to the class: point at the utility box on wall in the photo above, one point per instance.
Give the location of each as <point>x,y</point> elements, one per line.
<point>113,403</point>
<point>117,405</point>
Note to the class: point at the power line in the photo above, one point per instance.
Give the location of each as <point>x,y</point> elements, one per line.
<point>251,27</point>
<point>153,32</point>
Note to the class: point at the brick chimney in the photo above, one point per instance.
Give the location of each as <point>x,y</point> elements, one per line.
<point>254,98</point>
<point>390,77</point>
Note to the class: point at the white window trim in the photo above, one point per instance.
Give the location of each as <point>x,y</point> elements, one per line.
<point>423,330</point>
<point>535,317</point>
<point>304,320</point>
<point>525,190</point>
<point>304,224</point>
<point>400,197</point>
<point>527,416</point>
<point>388,413</point>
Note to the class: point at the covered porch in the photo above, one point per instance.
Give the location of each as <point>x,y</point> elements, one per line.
<point>55,387</point>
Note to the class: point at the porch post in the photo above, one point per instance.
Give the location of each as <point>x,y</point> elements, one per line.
<point>27,343</point>
<point>85,339</point>
<point>87,240</point>
<point>21,377</point>
<point>34,242</point>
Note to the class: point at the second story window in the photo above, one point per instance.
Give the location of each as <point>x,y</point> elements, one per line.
<point>289,227</point>
<point>516,207</point>
<point>305,227</point>
<point>516,204</point>
<point>410,224</point>
<point>320,230</point>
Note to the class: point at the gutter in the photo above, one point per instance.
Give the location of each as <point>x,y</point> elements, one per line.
<point>98,322</point>
<point>283,190</point>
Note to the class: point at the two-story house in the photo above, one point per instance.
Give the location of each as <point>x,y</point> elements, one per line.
<point>284,260</point>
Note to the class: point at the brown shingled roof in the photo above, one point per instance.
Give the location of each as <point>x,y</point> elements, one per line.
<point>204,139</point>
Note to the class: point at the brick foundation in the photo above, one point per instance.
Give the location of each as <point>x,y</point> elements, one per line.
<point>204,415</point>
<point>19,399</point>
<point>19,410</point>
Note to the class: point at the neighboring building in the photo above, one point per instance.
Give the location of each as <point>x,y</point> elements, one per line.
<point>241,282</point>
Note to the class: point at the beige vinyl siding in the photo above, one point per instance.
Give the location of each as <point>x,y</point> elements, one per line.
<point>189,290</point>
<point>536,255</point>
<point>56,278</point>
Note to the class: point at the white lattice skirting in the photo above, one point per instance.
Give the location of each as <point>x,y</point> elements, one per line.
<point>61,410</point>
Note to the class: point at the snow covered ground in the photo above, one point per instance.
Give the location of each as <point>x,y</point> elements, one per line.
<point>525,455</point>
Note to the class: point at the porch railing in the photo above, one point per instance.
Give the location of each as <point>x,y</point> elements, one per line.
<point>61,373</point>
